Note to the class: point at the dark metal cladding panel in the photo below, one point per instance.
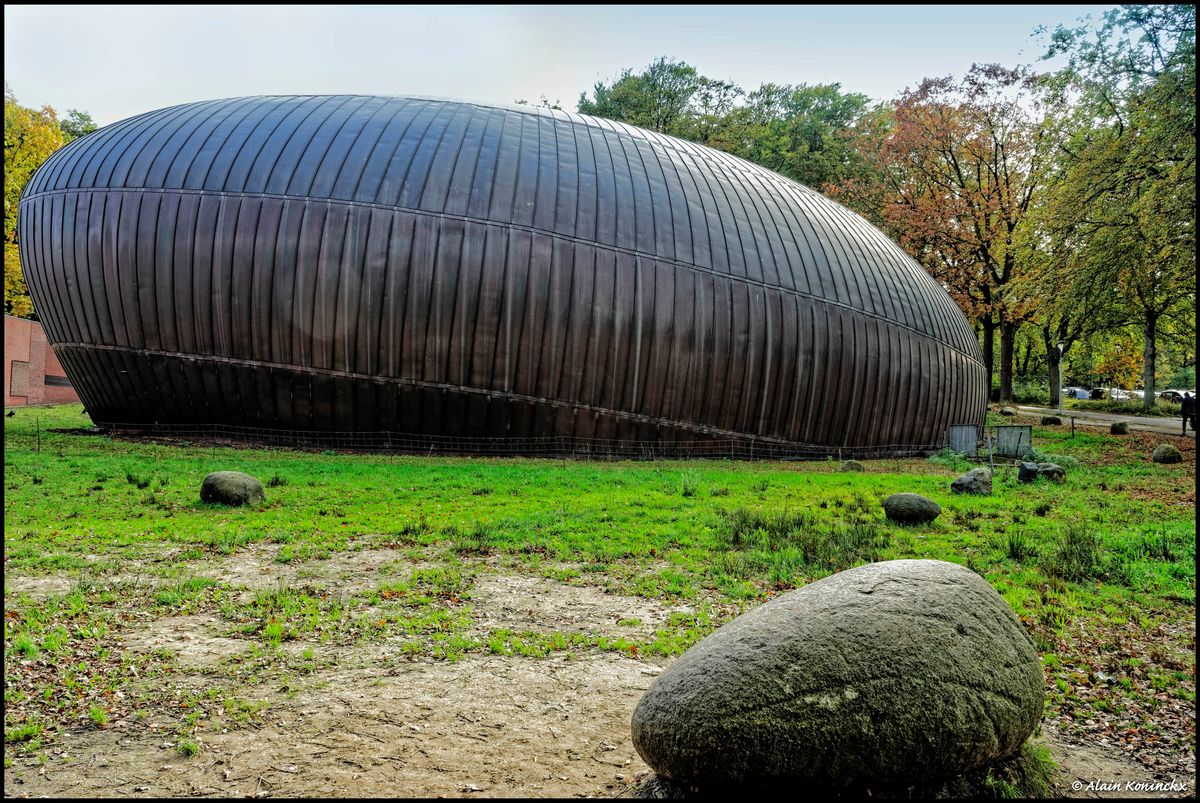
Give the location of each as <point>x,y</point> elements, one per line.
<point>364,264</point>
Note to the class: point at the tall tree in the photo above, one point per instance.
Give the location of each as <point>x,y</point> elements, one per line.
<point>803,132</point>
<point>1126,106</point>
<point>659,98</point>
<point>30,136</point>
<point>953,177</point>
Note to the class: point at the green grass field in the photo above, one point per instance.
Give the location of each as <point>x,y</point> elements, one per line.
<point>1100,568</point>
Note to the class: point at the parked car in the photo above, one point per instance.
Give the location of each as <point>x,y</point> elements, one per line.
<point>1076,393</point>
<point>1116,394</point>
<point>1172,395</point>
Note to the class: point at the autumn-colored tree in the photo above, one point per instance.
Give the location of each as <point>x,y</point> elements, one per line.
<point>1121,365</point>
<point>952,177</point>
<point>30,136</point>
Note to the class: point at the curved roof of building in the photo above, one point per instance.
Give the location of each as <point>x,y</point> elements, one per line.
<point>609,183</point>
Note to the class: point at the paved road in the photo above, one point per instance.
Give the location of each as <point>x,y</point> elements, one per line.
<point>1170,426</point>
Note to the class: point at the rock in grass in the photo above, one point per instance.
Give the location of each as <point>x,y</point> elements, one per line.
<point>910,509</point>
<point>852,465</point>
<point>1051,471</point>
<point>1166,453</point>
<point>1119,428</point>
<point>1051,421</point>
<point>894,671</point>
<point>1028,472</point>
<point>1007,411</point>
<point>231,488</point>
<point>975,481</point>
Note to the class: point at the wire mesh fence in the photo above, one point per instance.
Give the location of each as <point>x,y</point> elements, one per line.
<point>549,446</point>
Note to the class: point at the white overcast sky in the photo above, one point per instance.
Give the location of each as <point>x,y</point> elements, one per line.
<point>117,61</point>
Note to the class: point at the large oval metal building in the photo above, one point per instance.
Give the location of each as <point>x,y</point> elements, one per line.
<point>446,270</point>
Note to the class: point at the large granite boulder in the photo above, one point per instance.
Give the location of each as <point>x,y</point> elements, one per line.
<point>231,488</point>
<point>975,481</point>
<point>852,465</point>
<point>910,509</point>
<point>1008,411</point>
<point>897,671</point>
<point>1166,453</point>
<point>1051,421</point>
<point>1119,428</point>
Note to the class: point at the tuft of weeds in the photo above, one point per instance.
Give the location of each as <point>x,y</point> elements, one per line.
<point>187,748</point>
<point>1077,556</point>
<point>689,483</point>
<point>782,544</point>
<point>1018,546</point>
<point>479,540</point>
<point>718,490</point>
<point>277,481</point>
<point>141,482</point>
<point>98,716</point>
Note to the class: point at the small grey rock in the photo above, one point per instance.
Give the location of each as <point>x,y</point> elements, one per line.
<point>1166,453</point>
<point>1051,421</point>
<point>851,465</point>
<point>911,508</point>
<point>1051,471</point>
<point>975,481</point>
<point>1119,428</point>
<point>231,488</point>
<point>894,671</point>
<point>1007,411</point>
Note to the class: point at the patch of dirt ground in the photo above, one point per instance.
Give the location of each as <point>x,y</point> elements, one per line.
<point>487,725</point>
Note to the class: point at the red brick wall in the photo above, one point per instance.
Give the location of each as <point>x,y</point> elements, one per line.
<point>25,343</point>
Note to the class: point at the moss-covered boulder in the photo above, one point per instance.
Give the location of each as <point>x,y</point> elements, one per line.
<point>911,509</point>
<point>232,488</point>
<point>896,671</point>
<point>1119,428</point>
<point>1166,453</point>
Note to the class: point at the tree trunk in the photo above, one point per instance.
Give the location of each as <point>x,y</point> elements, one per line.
<point>989,350</point>
<point>1008,338</point>
<point>1149,330</point>
<point>1052,359</point>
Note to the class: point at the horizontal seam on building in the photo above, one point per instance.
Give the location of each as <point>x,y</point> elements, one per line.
<point>421,383</point>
